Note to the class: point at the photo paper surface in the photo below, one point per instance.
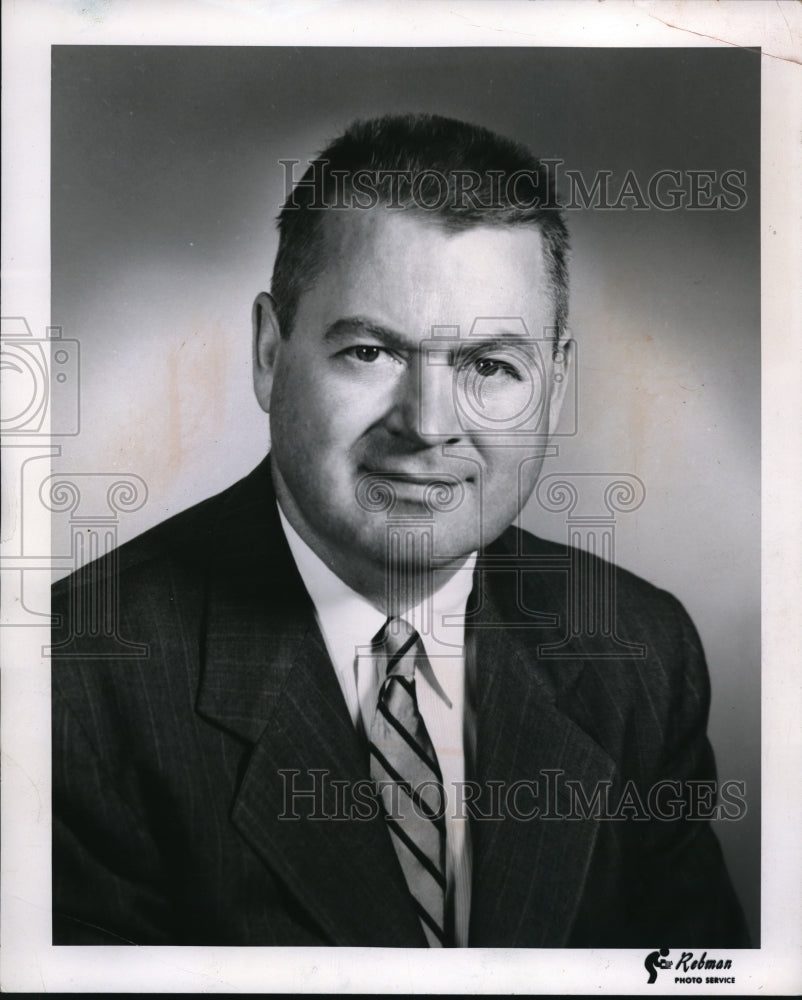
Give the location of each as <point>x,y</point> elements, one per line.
<point>170,159</point>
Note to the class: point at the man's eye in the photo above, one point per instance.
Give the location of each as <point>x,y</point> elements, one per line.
<point>489,367</point>
<point>367,353</point>
<point>359,355</point>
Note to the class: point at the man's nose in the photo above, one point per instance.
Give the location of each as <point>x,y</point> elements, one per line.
<point>426,408</point>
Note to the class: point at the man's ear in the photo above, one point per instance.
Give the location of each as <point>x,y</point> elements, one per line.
<point>266,339</point>
<point>562,357</point>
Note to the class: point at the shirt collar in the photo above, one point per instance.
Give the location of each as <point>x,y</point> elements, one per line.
<point>349,621</point>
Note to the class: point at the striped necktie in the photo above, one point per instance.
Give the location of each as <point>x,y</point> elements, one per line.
<point>404,766</point>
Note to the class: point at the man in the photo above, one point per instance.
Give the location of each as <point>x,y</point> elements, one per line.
<point>349,727</point>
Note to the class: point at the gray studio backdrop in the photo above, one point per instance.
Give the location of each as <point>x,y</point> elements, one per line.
<point>165,184</point>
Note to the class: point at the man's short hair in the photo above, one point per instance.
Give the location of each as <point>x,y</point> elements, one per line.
<point>457,174</point>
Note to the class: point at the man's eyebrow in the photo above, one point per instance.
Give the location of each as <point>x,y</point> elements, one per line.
<point>351,326</point>
<point>503,338</point>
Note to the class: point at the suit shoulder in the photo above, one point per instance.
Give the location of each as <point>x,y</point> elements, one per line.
<point>574,585</point>
<point>128,625</point>
<point>618,640</point>
<point>179,542</point>
<point>631,589</point>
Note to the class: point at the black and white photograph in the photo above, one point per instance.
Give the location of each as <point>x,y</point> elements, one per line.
<point>397,433</point>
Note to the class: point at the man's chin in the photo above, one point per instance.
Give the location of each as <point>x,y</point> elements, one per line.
<point>417,542</point>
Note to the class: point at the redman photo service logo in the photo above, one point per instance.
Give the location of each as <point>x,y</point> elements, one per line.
<point>687,967</point>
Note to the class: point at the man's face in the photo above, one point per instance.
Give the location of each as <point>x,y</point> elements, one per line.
<point>420,364</point>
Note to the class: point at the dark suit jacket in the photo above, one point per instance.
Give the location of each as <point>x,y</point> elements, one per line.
<point>171,770</point>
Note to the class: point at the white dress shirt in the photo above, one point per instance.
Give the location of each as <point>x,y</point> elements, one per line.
<point>348,623</point>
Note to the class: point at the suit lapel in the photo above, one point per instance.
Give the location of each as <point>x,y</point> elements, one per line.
<point>268,679</point>
<point>528,872</point>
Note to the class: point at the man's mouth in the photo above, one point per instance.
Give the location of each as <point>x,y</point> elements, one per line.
<point>382,489</point>
<point>400,473</point>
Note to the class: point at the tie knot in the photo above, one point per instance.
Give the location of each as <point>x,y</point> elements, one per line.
<point>398,642</point>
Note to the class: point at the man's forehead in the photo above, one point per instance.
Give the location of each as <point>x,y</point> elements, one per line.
<point>420,250</point>
<point>405,269</point>
<point>351,228</point>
